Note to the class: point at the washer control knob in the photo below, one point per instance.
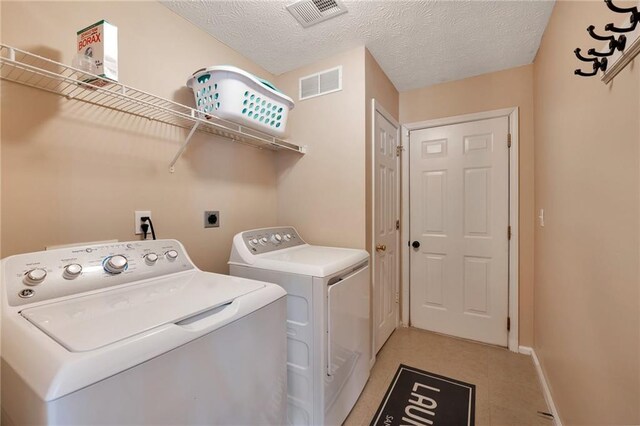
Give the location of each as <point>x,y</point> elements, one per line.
<point>115,264</point>
<point>276,238</point>
<point>171,255</point>
<point>287,237</point>
<point>263,240</point>
<point>72,271</point>
<point>35,276</point>
<point>253,241</point>
<point>151,258</point>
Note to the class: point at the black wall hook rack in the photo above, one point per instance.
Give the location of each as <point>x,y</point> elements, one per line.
<point>583,58</point>
<point>615,43</point>
<point>590,30</point>
<point>598,64</point>
<point>633,19</point>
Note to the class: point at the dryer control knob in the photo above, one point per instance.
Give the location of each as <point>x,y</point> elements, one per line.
<point>72,271</point>
<point>35,276</point>
<point>276,238</point>
<point>253,242</point>
<point>287,237</point>
<point>263,240</point>
<point>151,258</point>
<point>171,255</point>
<point>115,264</point>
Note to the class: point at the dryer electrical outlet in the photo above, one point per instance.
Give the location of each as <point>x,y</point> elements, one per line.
<point>137,220</point>
<point>211,219</point>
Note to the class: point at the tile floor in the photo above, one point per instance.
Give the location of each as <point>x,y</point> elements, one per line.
<point>507,389</point>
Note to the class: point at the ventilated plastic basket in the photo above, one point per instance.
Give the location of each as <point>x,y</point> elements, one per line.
<point>233,94</point>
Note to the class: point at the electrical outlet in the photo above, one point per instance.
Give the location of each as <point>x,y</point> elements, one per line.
<point>137,222</point>
<point>211,219</point>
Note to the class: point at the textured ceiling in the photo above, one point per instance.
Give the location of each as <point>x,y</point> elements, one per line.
<point>417,43</point>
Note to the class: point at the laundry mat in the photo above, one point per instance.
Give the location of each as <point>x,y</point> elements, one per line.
<point>420,398</point>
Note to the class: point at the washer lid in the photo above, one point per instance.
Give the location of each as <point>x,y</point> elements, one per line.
<point>316,261</point>
<point>90,322</point>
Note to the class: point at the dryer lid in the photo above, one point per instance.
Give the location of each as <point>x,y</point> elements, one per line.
<point>316,261</point>
<point>90,322</point>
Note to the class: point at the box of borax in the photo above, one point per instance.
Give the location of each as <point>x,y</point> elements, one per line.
<point>98,46</point>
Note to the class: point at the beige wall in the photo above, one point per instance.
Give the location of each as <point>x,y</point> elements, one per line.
<point>322,193</point>
<point>587,314</point>
<point>72,173</point>
<point>503,89</point>
<point>380,88</point>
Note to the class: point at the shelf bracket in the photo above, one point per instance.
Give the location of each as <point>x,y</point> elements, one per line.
<point>172,167</point>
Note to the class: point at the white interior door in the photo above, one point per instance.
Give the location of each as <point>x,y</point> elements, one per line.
<point>459,197</point>
<point>386,235</point>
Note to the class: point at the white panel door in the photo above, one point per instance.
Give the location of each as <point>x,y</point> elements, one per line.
<point>459,197</point>
<point>386,236</point>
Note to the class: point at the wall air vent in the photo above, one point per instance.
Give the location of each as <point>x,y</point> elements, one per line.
<point>311,12</point>
<point>327,81</point>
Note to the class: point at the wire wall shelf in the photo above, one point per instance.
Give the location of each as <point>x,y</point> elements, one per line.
<point>36,71</point>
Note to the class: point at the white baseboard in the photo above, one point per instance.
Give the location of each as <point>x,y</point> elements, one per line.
<point>526,350</point>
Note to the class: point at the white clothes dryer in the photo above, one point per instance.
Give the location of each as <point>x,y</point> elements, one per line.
<point>134,333</point>
<point>328,330</point>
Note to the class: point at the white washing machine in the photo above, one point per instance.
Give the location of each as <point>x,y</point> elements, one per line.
<point>133,333</point>
<point>328,336</point>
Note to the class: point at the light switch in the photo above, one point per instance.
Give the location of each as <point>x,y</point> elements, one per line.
<point>541,218</point>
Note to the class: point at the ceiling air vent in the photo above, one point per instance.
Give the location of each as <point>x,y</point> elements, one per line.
<point>311,12</point>
<point>321,83</point>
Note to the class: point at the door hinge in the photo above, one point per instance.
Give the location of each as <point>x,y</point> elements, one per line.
<point>397,297</point>
<point>509,232</point>
<point>508,140</point>
<point>399,150</point>
<point>397,224</point>
<point>508,323</point>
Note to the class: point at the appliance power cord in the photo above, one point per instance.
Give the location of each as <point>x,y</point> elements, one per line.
<point>147,219</point>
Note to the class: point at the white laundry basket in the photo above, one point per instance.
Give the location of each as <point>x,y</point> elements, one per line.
<point>233,94</point>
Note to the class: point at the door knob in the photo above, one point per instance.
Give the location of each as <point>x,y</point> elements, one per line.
<point>415,244</point>
<point>381,247</point>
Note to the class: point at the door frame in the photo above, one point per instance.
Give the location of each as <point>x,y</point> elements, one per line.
<point>377,107</point>
<point>512,115</point>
